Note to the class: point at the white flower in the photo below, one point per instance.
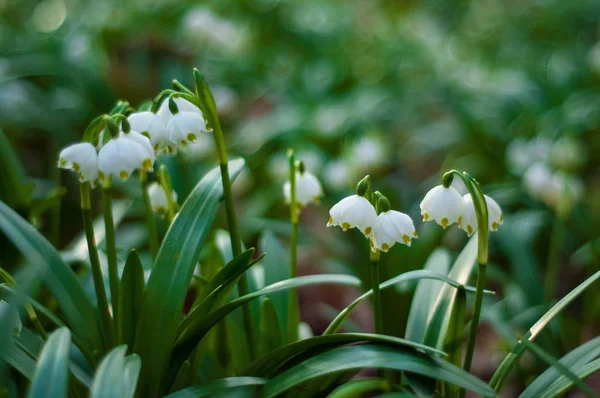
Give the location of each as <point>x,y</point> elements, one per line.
<point>150,124</point>
<point>122,155</point>
<point>469,217</point>
<point>81,158</point>
<point>11,316</point>
<point>158,198</point>
<point>308,189</point>
<point>443,205</point>
<point>186,125</point>
<point>353,211</point>
<point>537,180</point>
<point>392,226</point>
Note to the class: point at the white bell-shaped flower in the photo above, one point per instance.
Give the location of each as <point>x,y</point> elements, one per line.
<point>468,222</point>
<point>353,212</point>
<point>185,127</point>
<point>11,316</point>
<point>158,198</point>
<point>150,124</point>
<point>308,189</point>
<point>392,226</point>
<point>442,205</point>
<point>122,155</point>
<point>82,158</point>
<point>182,104</point>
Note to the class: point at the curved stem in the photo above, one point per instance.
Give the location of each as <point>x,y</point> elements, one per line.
<point>111,249</point>
<point>150,222</point>
<point>105,318</point>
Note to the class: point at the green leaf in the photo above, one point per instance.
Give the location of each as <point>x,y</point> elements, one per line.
<point>269,365</point>
<point>201,323</point>
<point>511,359</point>
<point>130,298</point>
<point>52,371</point>
<point>18,358</point>
<point>373,356</point>
<point>577,358</point>
<point>439,316</point>
<point>270,334</point>
<point>227,385</point>
<point>162,306</point>
<point>426,294</point>
<point>117,375</point>
<point>562,384</point>
<point>59,278</point>
<point>14,189</point>
<point>360,388</point>
<point>456,334</point>
<point>276,268</point>
<point>335,325</point>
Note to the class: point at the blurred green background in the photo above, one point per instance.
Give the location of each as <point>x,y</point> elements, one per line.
<point>402,90</point>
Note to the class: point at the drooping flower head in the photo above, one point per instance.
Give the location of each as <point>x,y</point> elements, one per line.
<point>158,198</point>
<point>152,126</point>
<point>126,152</point>
<point>184,121</point>
<point>443,205</point>
<point>308,189</point>
<point>469,217</point>
<point>354,212</point>
<point>392,226</point>
<point>82,158</point>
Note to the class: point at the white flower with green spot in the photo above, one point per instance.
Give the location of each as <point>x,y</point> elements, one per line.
<point>186,124</point>
<point>469,217</point>
<point>152,126</point>
<point>442,205</point>
<point>392,226</point>
<point>82,158</point>
<point>124,154</point>
<point>158,198</point>
<point>354,212</point>
<point>308,189</point>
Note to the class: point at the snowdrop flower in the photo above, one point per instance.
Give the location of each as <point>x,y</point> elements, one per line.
<point>152,126</point>
<point>392,226</point>
<point>442,205</point>
<point>124,154</point>
<point>537,180</point>
<point>158,198</point>
<point>308,189</point>
<point>354,212</point>
<point>82,158</point>
<point>469,218</point>
<point>185,124</point>
<point>9,314</point>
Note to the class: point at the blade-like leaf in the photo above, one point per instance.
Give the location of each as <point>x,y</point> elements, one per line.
<point>58,277</point>
<point>563,383</point>
<point>130,298</point>
<point>217,386</point>
<point>269,365</point>
<point>276,268</point>
<point>373,356</point>
<point>426,294</point>
<point>335,325</point>
<point>576,358</point>
<point>439,316</point>
<point>18,358</point>
<point>116,375</point>
<point>162,306</point>
<point>52,371</point>
<point>360,388</point>
<point>270,334</point>
<point>511,359</point>
<point>13,189</point>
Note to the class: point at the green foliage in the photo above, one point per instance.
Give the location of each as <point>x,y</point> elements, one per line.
<point>52,370</point>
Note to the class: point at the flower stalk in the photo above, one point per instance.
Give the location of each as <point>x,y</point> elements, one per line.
<point>105,318</point>
<point>293,312</point>
<point>150,222</point>
<point>111,248</point>
<point>481,211</point>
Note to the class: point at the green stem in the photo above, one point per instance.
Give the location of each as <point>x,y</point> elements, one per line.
<point>111,248</point>
<point>293,312</point>
<point>105,318</point>
<point>150,222</point>
<point>475,319</point>
<point>376,293</point>
<point>552,266</point>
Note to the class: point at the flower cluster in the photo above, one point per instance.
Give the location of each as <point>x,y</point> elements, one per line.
<point>446,206</point>
<point>383,229</point>
<point>141,137</point>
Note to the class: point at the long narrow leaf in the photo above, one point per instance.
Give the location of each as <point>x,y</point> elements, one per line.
<point>116,376</point>
<point>168,284</point>
<point>227,386</point>
<point>52,371</point>
<point>562,384</point>
<point>59,278</point>
<point>130,299</point>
